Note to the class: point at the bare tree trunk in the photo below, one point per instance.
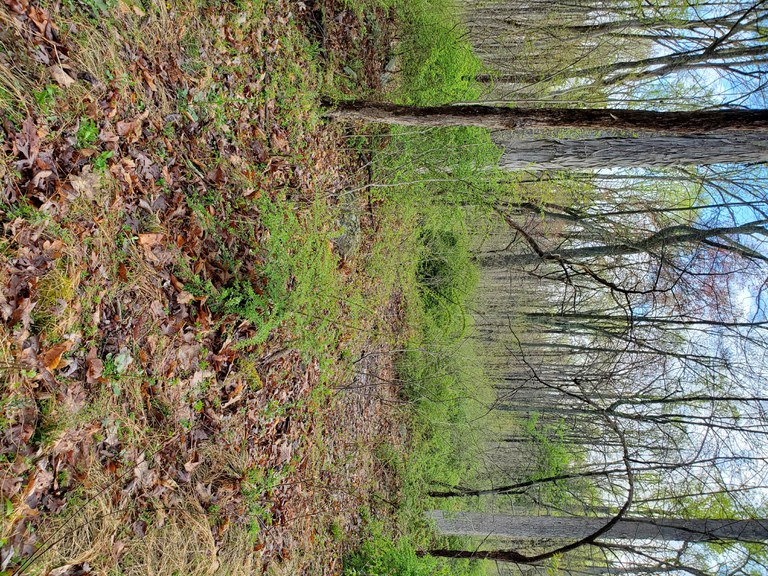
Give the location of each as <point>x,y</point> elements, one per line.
<point>595,153</point>
<point>501,118</point>
<point>538,528</point>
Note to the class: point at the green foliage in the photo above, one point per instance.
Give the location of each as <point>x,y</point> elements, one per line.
<point>431,177</point>
<point>555,456</point>
<point>46,98</point>
<point>100,162</point>
<point>257,486</point>
<point>297,284</point>
<point>381,555</point>
<point>442,375</point>
<point>87,133</point>
<point>438,64</point>
<point>445,275</point>
<point>91,8</point>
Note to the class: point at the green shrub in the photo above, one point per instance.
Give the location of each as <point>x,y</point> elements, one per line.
<point>382,556</point>
<point>438,64</point>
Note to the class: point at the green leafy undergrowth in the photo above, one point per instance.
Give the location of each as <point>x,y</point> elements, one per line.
<point>438,65</point>
<point>381,555</point>
<point>297,285</point>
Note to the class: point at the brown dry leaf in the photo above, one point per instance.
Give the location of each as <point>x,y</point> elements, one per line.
<point>259,152</point>
<point>144,476</point>
<point>157,309</point>
<point>52,359</point>
<point>149,80</point>
<point>284,452</point>
<point>53,249</point>
<point>193,463</point>
<point>61,77</point>
<point>94,367</point>
<point>130,130</point>
<point>87,183</point>
<point>279,141</point>
<point>17,6</point>
<point>28,143</point>
<point>83,569</point>
<point>10,486</point>
<point>117,549</point>
<point>150,240</point>
<point>176,284</point>
<point>22,313</point>
<point>39,17</point>
<point>40,481</point>
<point>40,177</point>
<point>187,356</point>
<point>185,297</point>
<point>108,137</point>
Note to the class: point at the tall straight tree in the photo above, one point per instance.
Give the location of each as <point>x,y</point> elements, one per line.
<point>624,152</point>
<point>538,528</point>
<point>507,118</point>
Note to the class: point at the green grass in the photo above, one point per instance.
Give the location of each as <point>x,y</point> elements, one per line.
<point>432,177</point>
<point>383,555</point>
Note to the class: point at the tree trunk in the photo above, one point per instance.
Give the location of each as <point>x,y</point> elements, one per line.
<point>595,153</point>
<point>536,528</point>
<point>502,118</point>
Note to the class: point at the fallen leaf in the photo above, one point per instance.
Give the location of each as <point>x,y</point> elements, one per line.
<point>71,570</point>
<point>149,80</point>
<point>176,284</point>
<point>52,359</point>
<point>39,17</point>
<point>22,313</point>
<point>122,361</point>
<point>185,297</point>
<point>40,481</point>
<point>61,77</point>
<point>150,240</point>
<point>18,7</point>
<point>157,309</point>
<point>284,453</point>
<point>193,463</point>
<point>87,184</point>
<point>94,367</point>
<point>40,177</point>
<point>279,141</point>
<point>10,486</point>
<point>130,130</point>
<point>122,272</point>
<point>28,143</point>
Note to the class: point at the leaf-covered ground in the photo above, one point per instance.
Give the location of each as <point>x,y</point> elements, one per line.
<point>196,307</point>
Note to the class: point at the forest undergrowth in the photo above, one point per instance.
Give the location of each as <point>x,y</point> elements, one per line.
<point>233,334</point>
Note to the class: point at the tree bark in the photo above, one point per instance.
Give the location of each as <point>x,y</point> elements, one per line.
<point>538,528</point>
<point>596,153</point>
<point>502,118</point>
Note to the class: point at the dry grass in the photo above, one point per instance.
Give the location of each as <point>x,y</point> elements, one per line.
<point>108,50</point>
<point>14,85</point>
<point>169,541</point>
<point>105,292</point>
<point>88,534</point>
<point>178,541</point>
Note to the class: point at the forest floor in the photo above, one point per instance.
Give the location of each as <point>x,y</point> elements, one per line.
<point>199,298</point>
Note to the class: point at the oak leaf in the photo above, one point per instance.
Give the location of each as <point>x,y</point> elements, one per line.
<point>51,360</point>
<point>60,76</point>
